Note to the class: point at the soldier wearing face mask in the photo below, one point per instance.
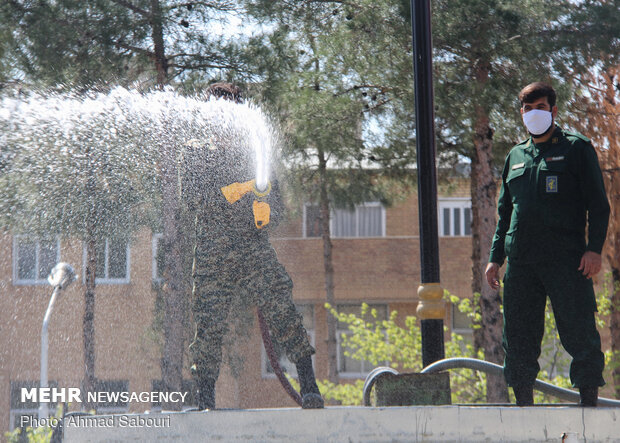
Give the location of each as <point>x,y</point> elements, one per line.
<point>552,189</point>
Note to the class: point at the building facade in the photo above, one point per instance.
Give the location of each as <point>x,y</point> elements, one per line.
<point>376,260</point>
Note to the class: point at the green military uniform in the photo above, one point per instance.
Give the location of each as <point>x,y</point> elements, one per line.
<point>549,190</point>
<point>232,256</point>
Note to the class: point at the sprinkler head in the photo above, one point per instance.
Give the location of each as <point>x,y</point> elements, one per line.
<point>62,275</point>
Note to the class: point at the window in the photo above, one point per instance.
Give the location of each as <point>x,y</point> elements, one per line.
<point>461,323</point>
<point>33,259</point>
<point>112,261</point>
<point>158,258</point>
<point>454,217</point>
<point>307,313</point>
<point>366,220</point>
<point>347,365</point>
<point>187,387</point>
<point>28,408</point>
<point>114,403</point>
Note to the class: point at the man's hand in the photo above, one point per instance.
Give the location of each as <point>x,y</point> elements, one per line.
<point>590,264</point>
<point>492,273</point>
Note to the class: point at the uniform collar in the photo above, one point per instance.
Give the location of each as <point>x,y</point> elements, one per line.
<point>555,138</point>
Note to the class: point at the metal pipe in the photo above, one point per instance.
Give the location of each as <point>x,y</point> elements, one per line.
<point>44,406</point>
<point>492,368</point>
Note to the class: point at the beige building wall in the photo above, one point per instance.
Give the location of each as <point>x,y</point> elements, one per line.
<point>376,270</point>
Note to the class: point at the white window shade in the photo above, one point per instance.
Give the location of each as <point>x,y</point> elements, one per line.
<point>455,217</point>
<point>366,220</point>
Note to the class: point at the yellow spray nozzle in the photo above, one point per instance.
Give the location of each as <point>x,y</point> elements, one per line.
<point>260,194</point>
<point>261,213</point>
<point>235,191</point>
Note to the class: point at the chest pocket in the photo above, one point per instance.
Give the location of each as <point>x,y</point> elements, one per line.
<point>516,181</point>
<point>555,180</point>
<point>561,202</point>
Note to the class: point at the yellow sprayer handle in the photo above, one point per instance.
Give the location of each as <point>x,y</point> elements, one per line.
<point>235,191</point>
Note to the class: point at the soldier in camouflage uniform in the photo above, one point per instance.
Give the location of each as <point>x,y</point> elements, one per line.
<point>552,190</point>
<point>232,256</point>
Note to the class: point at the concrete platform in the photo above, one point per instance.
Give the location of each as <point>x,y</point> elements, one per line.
<point>357,424</point>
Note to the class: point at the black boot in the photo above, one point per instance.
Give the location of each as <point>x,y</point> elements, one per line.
<point>310,395</point>
<point>206,394</point>
<point>589,396</point>
<point>524,395</point>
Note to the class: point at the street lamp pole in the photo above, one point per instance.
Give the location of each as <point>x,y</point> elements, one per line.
<point>431,308</point>
<point>60,278</point>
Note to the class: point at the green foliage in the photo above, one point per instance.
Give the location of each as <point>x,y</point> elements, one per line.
<point>397,344</point>
<point>40,434</point>
<point>330,82</point>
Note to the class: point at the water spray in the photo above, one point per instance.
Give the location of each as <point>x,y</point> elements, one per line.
<point>134,128</point>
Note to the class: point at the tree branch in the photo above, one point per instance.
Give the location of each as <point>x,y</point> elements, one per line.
<point>135,49</point>
<point>219,6</point>
<point>132,7</point>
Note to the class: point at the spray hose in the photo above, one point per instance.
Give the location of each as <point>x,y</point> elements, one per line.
<point>273,359</point>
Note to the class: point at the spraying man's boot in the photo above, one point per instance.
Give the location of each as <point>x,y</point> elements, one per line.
<point>310,395</point>
<point>206,394</point>
<point>589,396</point>
<point>524,394</point>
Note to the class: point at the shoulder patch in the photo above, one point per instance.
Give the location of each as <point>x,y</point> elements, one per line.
<point>524,142</point>
<point>577,135</point>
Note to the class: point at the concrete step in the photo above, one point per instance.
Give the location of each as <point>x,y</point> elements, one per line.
<point>567,424</point>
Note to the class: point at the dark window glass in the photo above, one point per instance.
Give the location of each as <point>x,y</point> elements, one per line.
<point>117,259</point>
<point>100,250</point>
<point>26,259</point>
<point>159,258</point>
<point>47,257</point>
<point>467,221</point>
<point>111,386</point>
<point>446,221</point>
<point>16,394</point>
<point>313,221</point>
<point>457,221</point>
<point>187,386</point>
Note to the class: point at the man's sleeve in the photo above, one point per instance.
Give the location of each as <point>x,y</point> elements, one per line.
<point>593,188</point>
<point>504,211</point>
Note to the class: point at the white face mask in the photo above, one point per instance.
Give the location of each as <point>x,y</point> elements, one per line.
<point>537,121</point>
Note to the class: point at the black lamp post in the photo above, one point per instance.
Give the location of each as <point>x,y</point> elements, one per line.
<point>431,309</point>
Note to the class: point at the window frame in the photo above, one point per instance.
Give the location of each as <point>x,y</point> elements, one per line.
<point>332,215</point>
<point>15,388</point>
<point>37,281</point>
<point>188,386</point>
<point>452,203</point>
<point>453,327</point>
<point>339,351</point>
<point>290,367</point>
<point>121,386</point>
<point>107,280</point>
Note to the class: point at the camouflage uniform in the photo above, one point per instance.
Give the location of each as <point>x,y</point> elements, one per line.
<point>231,257</point>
